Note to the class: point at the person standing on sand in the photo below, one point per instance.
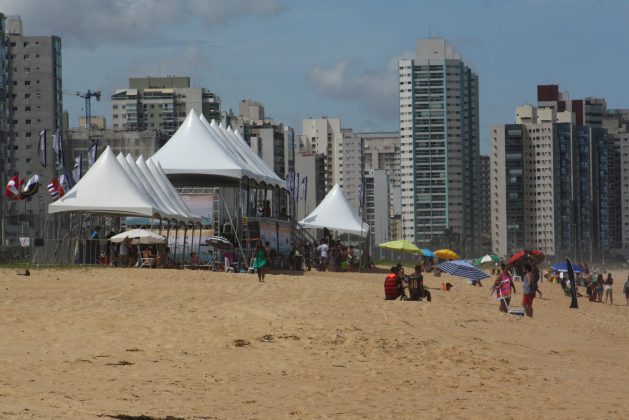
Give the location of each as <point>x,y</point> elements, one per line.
<point>626,289</point>
<point>599,288</point>
<point>609,282</point>
<point>528,290</point>
<point>504,286</point>
<point>260,261</point>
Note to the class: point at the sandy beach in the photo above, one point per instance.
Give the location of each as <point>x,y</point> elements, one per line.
<point>98,342</point>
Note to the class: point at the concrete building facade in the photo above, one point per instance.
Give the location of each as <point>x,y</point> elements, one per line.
<point>33,103</point>
<point>161,103</point>
<point>549,185</point>
<point>439,142</point>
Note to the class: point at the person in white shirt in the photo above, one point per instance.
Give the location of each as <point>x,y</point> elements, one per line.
<point>323,254</point>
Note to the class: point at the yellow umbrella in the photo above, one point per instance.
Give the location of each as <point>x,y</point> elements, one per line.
<point>446,254</point>
<point>401,246</point>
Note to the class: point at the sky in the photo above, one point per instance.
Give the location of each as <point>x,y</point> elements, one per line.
<point>307,59</point>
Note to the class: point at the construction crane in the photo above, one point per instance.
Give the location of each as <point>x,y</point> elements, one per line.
<point>88,104</point>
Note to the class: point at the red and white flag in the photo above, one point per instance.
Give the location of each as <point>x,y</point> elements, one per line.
<point>12,191</point>
<point>55,189</point>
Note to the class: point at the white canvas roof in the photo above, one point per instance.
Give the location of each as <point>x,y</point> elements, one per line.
<point>142,184</point>
<point>257,161</point>
<point>335,213</point>
<point>106,189</point>
<point>161,178</point>
<point>192,151</point>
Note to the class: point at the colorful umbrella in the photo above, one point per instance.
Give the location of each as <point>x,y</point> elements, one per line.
<point>401,246</point>
<point>462,268</point>
<point>487,259</point>
<point>536,254</point>
<point>446,254</point>
<point>428,253</point>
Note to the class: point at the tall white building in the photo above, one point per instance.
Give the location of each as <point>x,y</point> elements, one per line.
<point>325,137</point>
<point>439,136</point>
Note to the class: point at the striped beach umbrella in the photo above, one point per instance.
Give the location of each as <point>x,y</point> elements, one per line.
<point>462,268</point>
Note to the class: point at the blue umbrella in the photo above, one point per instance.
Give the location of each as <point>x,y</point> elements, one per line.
<point>562,267</point>
<point>428,253</point>
<point>462,268</point>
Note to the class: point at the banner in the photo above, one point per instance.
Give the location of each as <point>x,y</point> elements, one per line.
<point>304,182</point>
<point>92,152</point>
<point>42,148</point>
<point>78,167</point>
<point>57,146</point>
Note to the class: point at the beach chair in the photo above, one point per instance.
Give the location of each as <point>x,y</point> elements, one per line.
<point>503,294</point>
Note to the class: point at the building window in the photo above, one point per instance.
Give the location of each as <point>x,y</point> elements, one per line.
<point>26,44</point>
<point>27,82</point>
<point>27,57</point>
<point>27,95</point>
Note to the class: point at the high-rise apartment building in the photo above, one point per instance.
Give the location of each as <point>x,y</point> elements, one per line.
<point>381,150</point>
<point>484,195</point>
<point>549,184</point>
<point>616,122</point>
<point>324,137</point>
<point>33,103</point>
<point>439,136</point>
<point>161,103</point>
<point>376,209</point>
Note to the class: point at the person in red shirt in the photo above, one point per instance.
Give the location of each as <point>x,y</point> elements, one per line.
<point>393,288</point>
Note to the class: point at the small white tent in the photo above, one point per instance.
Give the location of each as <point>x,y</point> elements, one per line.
<point>335,213</point>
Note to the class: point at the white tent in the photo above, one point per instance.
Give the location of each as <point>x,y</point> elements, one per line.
<point>192,151</point>
<point>162,180</point>
<point>106,189</point>
<point>143,185</point>
<point>335,213</point>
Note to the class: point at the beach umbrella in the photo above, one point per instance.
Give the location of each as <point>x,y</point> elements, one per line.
<point>139,236</point>
<point>535,254</point>
<point>462,268</point>
<point>562,267</point>
<point>428,253</point>
<point>447,254</point>
<point>401,246</point>
<point>487,259</point>
<point>219,242</point>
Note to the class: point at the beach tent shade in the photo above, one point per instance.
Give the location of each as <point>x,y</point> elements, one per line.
<point>562,267</point>
<point>106,189</point>
<point>335,213</point>
<point>139,236</point>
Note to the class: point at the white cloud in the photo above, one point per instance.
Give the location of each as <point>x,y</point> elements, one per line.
<point>350,81</point>
<point>146,22</point>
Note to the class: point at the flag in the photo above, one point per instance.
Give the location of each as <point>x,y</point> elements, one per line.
<point>57,146</point>
<point>12,190</point>
<point>361,192</point>
<point>304,184</point>
<point>92,152</point>
<point>296,188</point>
<point>30,187</point>
<point>290,182</point>
<point>55,189</point>
<point>42,148</point>
<point>66,181</point>
<point>78,167</point>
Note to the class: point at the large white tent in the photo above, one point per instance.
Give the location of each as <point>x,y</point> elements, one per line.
<point>335,213</point>
<point>106,189</point>
<point>116,186</point>
<point>207,149</point>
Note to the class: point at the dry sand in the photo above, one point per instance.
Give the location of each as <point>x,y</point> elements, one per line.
<point>92,343</point>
